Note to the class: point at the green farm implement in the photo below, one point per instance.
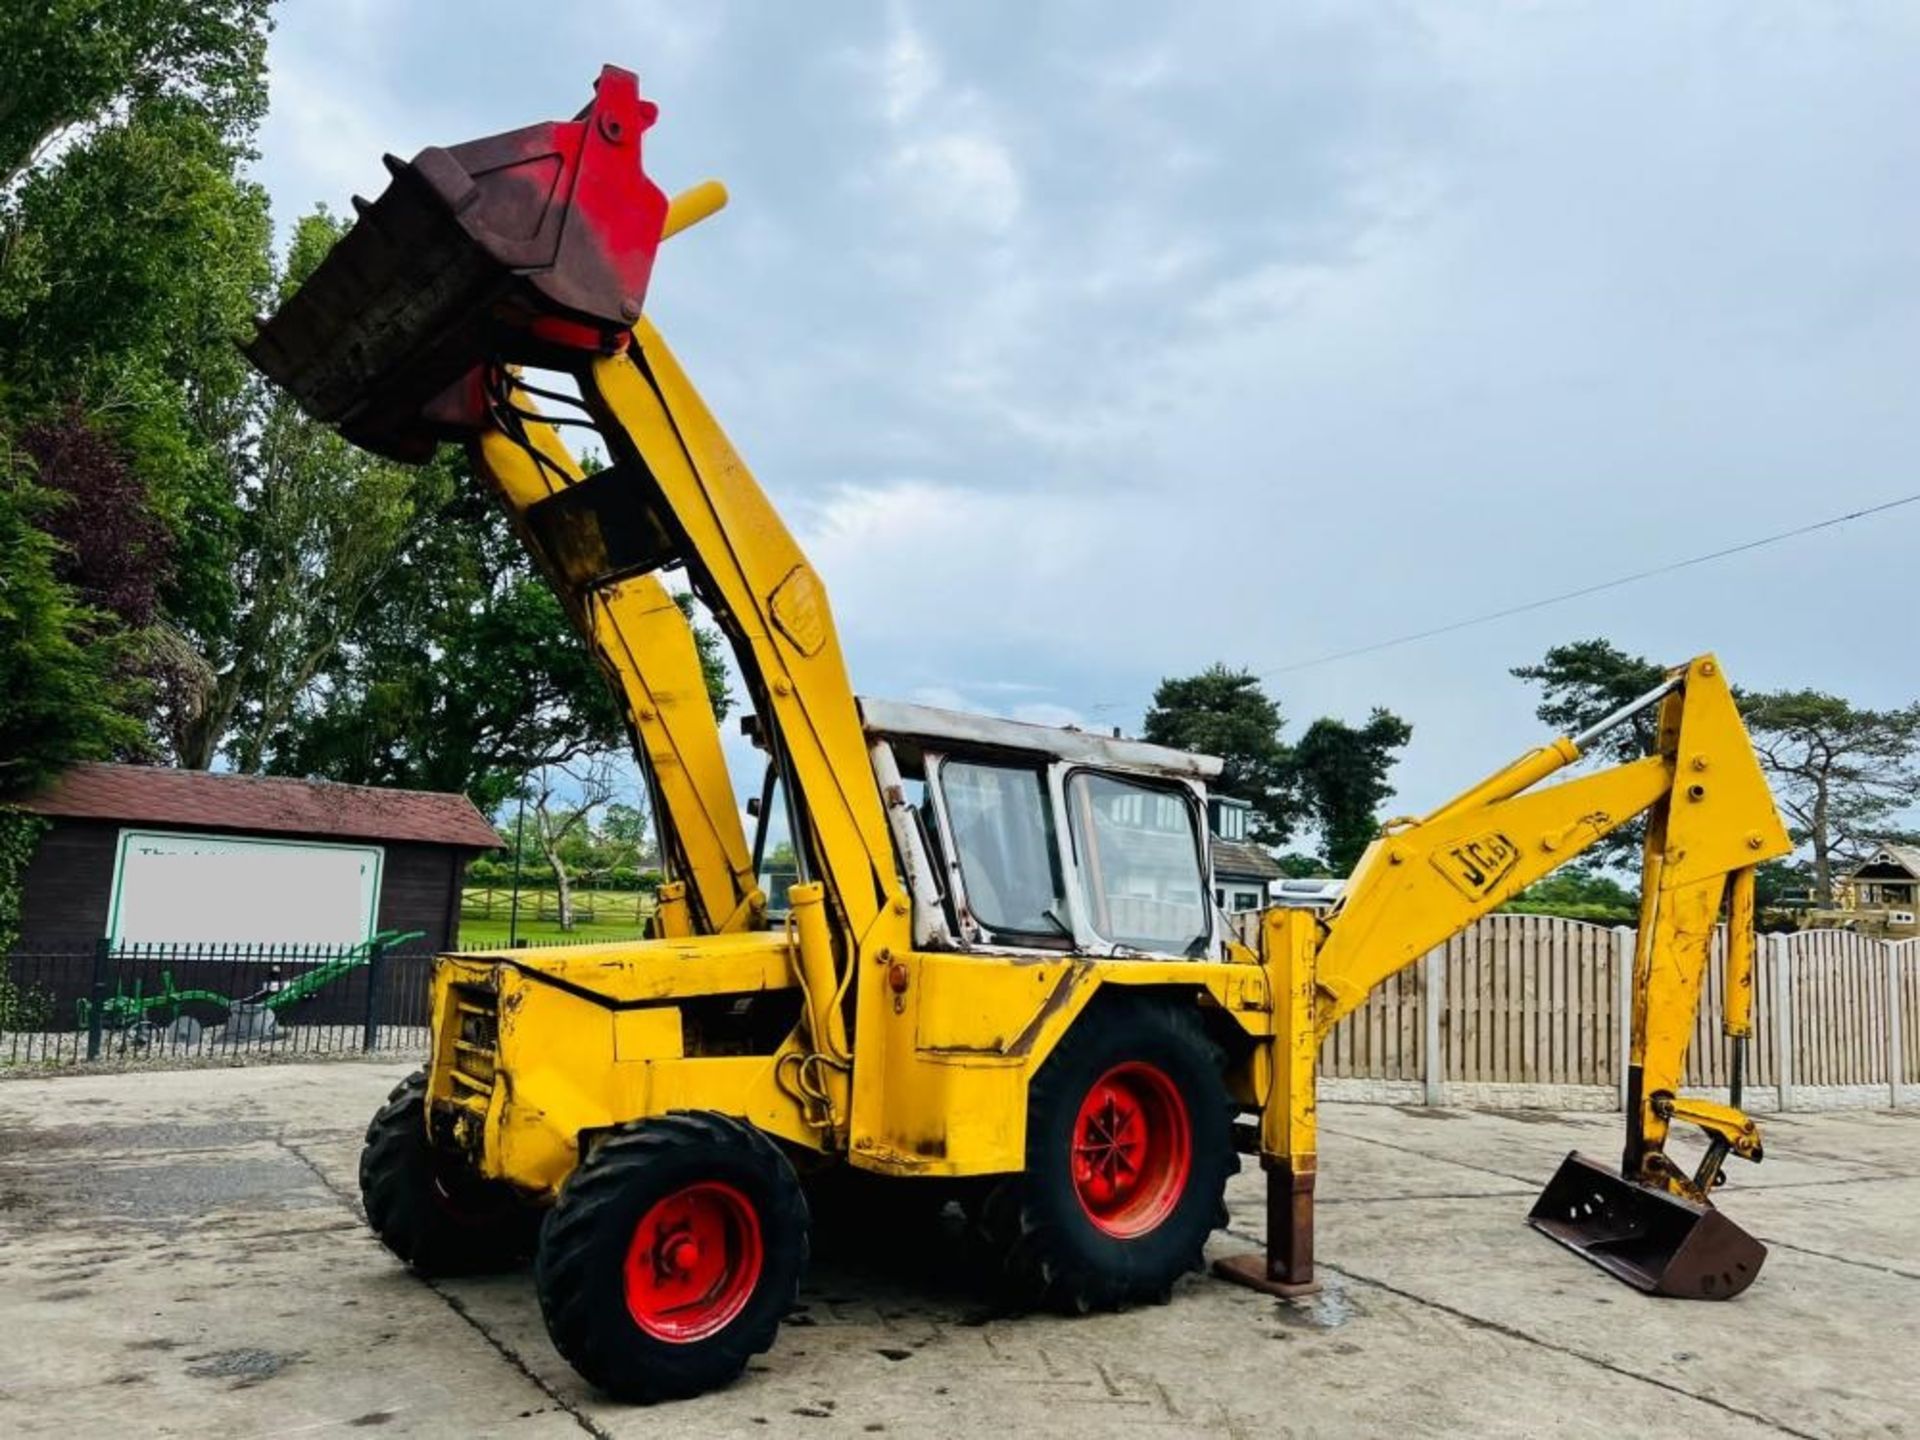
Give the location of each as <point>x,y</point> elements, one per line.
<point>142,1018</point>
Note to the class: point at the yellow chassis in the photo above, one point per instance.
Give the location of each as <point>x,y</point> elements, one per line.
<point>595,1039</point>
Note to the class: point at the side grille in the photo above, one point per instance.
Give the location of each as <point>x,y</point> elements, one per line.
<point>475,1042</point>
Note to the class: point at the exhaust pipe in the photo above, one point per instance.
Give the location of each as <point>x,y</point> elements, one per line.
<point>533,247</point>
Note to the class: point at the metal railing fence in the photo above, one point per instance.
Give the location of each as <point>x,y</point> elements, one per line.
<point>185,1002</point>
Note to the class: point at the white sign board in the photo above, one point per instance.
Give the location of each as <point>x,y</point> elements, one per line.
<point>170,888</point>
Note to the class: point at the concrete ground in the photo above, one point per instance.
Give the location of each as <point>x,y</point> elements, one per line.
<point>182,1254</point>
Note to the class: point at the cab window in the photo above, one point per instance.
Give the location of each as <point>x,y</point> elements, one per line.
<point>1138,848</point>
<point>1003,840</point>
<point>776,866</point>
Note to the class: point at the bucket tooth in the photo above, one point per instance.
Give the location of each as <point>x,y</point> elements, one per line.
<point>1653,1240</point>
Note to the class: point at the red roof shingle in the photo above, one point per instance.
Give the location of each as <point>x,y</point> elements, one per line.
<point>201,799</point>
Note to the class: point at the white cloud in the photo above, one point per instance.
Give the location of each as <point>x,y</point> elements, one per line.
<point>321,143</point>
<point>1088,345</point>
<point>945,160</point>
<point>965,179</point>
<point>909,73</point>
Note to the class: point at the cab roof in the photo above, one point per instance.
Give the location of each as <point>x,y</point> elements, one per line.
<point>900,720</point>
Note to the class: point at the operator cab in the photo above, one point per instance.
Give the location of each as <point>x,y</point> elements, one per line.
<point>1018,838</point>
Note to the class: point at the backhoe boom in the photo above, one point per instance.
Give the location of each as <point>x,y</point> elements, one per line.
<point>1710,820</point>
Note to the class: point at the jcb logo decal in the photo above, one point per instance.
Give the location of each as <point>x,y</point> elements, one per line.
<point>1475,866</point>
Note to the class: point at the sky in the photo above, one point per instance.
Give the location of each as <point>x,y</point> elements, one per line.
<point>1086,344</point>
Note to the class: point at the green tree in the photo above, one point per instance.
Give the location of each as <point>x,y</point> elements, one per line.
<point>138,322</point>
<point>61,685</point>
<point>1589,679</point>
<point>1580,684</point>
<point>317,525</point>
<point>1224,712</point>
<point>1296,866</point>
<point>1842,774</point>
<point>1579,892</point>
<point>66,63</point>
<point>127,331</point>
<point>20,833</point>
<point>465,674</point>
<point>563,800</point>
<point>1338,772</point>
<point>1781,884</point>
<point>627,834</point>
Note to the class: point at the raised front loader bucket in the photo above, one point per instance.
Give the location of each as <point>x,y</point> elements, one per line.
<point>1655,1241</point>
<point>509,248</point>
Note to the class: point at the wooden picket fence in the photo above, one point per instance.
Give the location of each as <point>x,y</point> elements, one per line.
<point>1537,1001</point>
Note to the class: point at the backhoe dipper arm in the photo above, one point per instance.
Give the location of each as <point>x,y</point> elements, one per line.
<point>1710,820</point>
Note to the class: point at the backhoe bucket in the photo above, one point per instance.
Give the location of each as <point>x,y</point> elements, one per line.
<point>529,246</point>
<point>1653,1240</point>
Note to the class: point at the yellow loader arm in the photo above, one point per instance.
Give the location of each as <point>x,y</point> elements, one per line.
<point>646,648</point>
<point>1710,820</point>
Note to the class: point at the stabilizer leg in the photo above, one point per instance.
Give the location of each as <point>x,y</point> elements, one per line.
<point>1286,1269</point>
<point>1288,1123</point>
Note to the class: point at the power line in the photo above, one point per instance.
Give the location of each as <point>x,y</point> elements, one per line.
<point>1584,590</point>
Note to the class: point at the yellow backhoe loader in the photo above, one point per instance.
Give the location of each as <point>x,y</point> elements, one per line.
<point>996,967</point>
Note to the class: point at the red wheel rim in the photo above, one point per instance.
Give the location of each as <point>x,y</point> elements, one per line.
<point>693,1263</point>
<point>1132,1150</point>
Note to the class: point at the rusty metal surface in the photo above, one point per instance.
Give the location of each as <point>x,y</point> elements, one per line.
<point>1654,1241</point>
<point>1253,1272</point>
<point>1286,1269</point>
<point>509,248</point>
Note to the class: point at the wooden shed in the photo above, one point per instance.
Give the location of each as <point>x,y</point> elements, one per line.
<point>140,854</point>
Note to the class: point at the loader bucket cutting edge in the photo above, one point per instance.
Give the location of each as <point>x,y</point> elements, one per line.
<point>1653,1240</point>
<point>522,247</point>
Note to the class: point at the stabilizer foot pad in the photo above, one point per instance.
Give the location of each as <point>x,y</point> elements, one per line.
<point>1251,1271</point>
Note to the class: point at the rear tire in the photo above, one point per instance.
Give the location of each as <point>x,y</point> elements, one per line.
<point>436,1218</point>
<point>1129,1147</point>
<point>672,1255</point>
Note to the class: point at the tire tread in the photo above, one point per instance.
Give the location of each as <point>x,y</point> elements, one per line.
<point>1036,1264</point>
<point>590,1216</point>
<point>396,1173</point>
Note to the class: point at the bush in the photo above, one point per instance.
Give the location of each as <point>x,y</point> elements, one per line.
<point>22,1007</point>
<point>1579,892</point>
<point>1593,913</point>
<point>19,834</point>
<point>64,695</point>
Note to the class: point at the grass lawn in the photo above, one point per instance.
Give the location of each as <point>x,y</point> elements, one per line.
<point>477,934</point>
<point>485,914</point>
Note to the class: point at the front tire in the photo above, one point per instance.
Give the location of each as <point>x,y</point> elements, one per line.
<point>425,1209</point>
<point>672,1255</point>
<point>1129,1148</point>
